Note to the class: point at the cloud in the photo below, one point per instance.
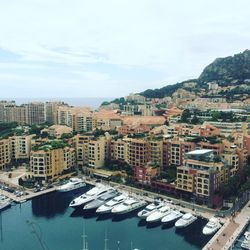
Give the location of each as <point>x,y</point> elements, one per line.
<point>173,40</point>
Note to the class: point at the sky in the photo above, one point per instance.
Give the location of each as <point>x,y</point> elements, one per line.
<point>97,48</point>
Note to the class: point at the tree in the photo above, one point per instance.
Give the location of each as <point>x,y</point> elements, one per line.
<point>186,115</point>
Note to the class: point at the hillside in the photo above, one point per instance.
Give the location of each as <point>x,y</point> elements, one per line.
<point>228,71</point>
<point>232,70</point>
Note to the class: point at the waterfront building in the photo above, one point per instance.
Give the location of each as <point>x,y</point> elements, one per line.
<point>201,175</point>
<point>5,153</point>
<point>156,152</point>
<point>98,150</point>
<point>138,152</point>
<point>119,150</point>
<point>47,163</point>
<point>82,149</point>
<point>145,174</point>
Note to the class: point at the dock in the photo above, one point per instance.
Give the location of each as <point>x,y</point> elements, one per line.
<point>29,196</point>
<point>228,234</point>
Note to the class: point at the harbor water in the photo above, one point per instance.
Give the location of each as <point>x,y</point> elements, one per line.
<point>47,222</point>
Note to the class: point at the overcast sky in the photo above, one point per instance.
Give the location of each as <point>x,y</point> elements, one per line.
<point>109,48</point>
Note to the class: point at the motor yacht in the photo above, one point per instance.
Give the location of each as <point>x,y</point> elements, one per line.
<point>246,242</point>
<point>130,204</point>
<point>89,196</point>
<point>173,216</point>
<point>211,227</point>
<point>101,200</point>
<point>72,184</point>
<point>158,214</point>
<point>185,220</point>
<point>149,209</point>
<point>108,206</point>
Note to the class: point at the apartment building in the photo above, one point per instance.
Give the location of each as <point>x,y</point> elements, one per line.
<point>201,175</point>
<point>119,150</point>
<point>35,113</point>
<point>82,149</point>
<point>97,152</point>
<point>51,111</point>
<point>156,152</point>
<point>5,153</point>
<point>20,146</point>
<point>138,152</point>
<point>48,164</point>
<point>174,151</point>
<point>106,120</point>
<point>226,128</point>
<point>57,130</point>
<point>79,119</point>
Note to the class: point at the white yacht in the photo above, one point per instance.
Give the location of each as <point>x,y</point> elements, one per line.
<point>108,206</point>
<point>246,242</point>
<point>89,196</point>
<point>130,204</point>
<point>101,200</point>
<point>173,216</point>
<point>72,184</point>
<point>185,220</point>
<point>158,214</point>
<point>212,226</point>
<point>149,209</point>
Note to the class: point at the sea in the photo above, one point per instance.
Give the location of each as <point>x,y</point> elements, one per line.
<point>93,102</point>
<point>46,222</point>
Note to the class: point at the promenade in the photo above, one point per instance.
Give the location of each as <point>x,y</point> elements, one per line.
<point>230,231</point>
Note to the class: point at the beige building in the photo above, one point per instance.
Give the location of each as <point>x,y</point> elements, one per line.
<point>51,111</point>
<point>156,152</point>
<point>98,150</point>
<point>35,113</point>
<point>119,150</point>
<point>57,130</point>
<point>82,149</point>
<point>78,118</point>
<point>5,153</point>
<point>21,146</point>
<point>48,164</point>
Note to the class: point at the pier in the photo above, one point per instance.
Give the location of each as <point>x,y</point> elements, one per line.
<point>29,196</point>
<point>230,231</point>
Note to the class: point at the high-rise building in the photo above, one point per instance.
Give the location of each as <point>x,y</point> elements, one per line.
<point>35,113</point>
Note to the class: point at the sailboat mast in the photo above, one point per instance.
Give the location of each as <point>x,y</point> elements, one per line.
<point>106,241</point>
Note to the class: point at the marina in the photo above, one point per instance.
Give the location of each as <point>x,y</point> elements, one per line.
<point>166,212</point>
<point>57,220</point>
